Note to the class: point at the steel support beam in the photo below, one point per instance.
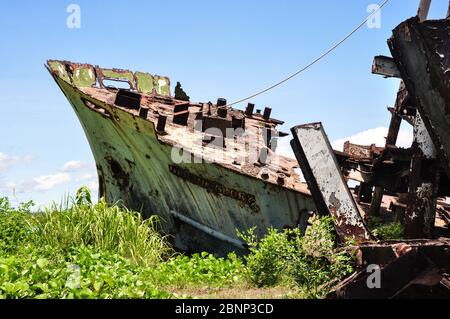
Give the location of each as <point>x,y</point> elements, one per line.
<point>385,66</point>
<point>424,8</point>
<point>448,11</point>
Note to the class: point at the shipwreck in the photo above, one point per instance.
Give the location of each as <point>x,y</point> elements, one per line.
<point>209,170</point>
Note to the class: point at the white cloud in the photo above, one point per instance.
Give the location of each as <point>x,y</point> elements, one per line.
<point>48,182</point>
<point>284,147</point>
<point>86,176</point>
<point>7,161</point>
<point>371,136</point>
<point>375,136</point>
<point>43,189</point>
<point>74,166</point>
<point>81,172</point>
<point>71,174</point>
<point>37,184</point>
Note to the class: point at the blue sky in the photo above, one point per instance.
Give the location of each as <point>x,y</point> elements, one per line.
<point>214,48</point>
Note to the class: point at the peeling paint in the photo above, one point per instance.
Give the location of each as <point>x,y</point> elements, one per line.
<point>330,192</point>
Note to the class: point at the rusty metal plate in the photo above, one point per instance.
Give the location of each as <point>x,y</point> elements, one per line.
<point>330,192</point>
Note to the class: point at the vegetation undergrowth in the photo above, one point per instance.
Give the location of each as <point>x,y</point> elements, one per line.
<point>102,227</point>
<point>386,231</point>
<point>86,250</point>
<point>309,262</point>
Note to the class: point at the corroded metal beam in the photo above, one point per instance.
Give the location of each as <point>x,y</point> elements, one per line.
<point>448,11</point>
<point>424,8</point>
<point>385,66</point>
<point>328,188</point>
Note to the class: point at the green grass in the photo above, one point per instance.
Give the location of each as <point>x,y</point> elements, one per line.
<point>104,228</point>
<point>85,250</point>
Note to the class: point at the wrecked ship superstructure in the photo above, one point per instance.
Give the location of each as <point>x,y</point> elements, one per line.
<point>206,169</point>
<point>409,185</point>
<point>415,180</point>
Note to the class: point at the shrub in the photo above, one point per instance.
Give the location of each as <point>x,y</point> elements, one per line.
<point>318,265</point>
<point>311,262</point>
<point>394,230</point>
<point>270,257</point>
<point>14,228</point>
<point>386,231</point>
<point>80,273</point>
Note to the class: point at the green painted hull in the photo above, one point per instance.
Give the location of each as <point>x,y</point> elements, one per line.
<point>134,168</point>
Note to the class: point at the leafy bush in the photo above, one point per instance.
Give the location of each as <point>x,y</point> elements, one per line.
<point>81,273</point>
<point>13,225</point>
<point>394,230</point>
<point>311,262</point>
<point>269,258</point>
<point>318,265</point>
<point>386,231</point>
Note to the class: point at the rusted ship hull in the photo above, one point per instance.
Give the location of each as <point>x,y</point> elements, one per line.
<point>202,205</point>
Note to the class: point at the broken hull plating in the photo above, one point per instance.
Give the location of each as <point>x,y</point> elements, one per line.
<point>134,168</point>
